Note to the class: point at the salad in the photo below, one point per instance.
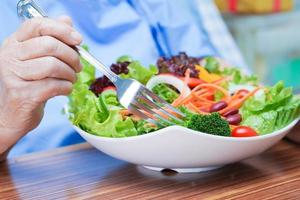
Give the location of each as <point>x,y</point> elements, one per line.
<point>215,99</point>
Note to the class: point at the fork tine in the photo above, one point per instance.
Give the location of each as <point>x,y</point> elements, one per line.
<point>134,110</point>
<point>153,104</point>
<point>148,110</point>
<point>166,104</point>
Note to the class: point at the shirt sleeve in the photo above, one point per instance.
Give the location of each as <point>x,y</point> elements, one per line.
<point>175,26</point>
<point>193,26</point>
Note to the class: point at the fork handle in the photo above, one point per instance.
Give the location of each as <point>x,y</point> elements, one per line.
<point>28,9</point>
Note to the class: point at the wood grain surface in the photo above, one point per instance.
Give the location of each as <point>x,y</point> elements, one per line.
<point>82,172</point>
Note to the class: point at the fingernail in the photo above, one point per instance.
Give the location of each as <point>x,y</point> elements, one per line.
<point>76,36</point>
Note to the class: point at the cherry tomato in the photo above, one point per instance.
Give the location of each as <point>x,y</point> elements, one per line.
<point>193,82</point>
<point>243,131</point>
<point>211,97</point>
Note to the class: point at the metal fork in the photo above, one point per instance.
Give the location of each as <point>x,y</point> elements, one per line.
<point>131,94</point>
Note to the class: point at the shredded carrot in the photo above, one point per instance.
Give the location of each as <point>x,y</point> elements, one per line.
<point>194,108</point>
<point>213,86</point>
<point>200,98</point>
<point>185,100</point>
<point>200,103</point>
<point>221,80</point>
<point>236,104</point>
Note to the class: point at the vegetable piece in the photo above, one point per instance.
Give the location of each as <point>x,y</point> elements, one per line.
<point>200,99</point>
<point>100,84</point>
<point>243,92</point>
<point>178,65</point>
<point>109,98</point>
<point>218,106</point>
<point>238,78</point>
<point>231,112</point>
<point>165,92</point>
<point>288,112</point>
<point>144,127</point>
<point>238,102</point>
<point>124,58</point>
<point>263,123</point>
<point>234,89</point>
<point>193,82</point>
<point>109,88</point>
<point>125,128</point>
<point>234,119</point>
<point>169,79</point>
<point>185,92</point>
<point>212,65</point>
<point>140,73</point>
<point>206,76</point>
<point>211,124</point>
<point>211,86</point>
<point>120,67</point>
<point>271,99</point>
<point>243,131</point>
<point>97,115</point>
<point>270,110</point>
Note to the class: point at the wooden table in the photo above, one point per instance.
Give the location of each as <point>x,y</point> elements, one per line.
<point>82,172</point>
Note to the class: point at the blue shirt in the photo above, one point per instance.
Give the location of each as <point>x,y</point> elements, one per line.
<point>143,29</point>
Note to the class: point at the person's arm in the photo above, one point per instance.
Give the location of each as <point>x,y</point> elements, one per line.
<point>36,64</point>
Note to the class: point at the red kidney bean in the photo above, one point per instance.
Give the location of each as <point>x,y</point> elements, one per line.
<point>231,112</point>
<point>234,119</point>
<point>218,106</point>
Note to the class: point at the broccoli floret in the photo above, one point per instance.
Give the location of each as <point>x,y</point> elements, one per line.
<point>211,124</point>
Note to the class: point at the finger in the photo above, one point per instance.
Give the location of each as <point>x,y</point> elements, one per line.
<point>9,40</point>
<point>47,27</point>
<point>65,19</point>
<point>49,46</point>
<point>45,67</point>
<point>46,89</point>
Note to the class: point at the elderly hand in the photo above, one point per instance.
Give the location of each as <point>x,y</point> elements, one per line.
<point>36,64</point>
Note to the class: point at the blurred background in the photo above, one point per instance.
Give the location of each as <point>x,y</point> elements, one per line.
<point>268,35</point>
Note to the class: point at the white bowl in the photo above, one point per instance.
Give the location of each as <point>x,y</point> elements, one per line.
<point>182,149</point>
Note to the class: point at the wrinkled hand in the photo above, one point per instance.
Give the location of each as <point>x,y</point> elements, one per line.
<point>36,64</point>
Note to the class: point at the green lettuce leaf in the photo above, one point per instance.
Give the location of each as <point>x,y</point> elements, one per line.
<point>97,115</point>
<point>238,77</point>
<point>101,116</point>
<point>125,58</point>
<point>110,99</point>
<point>262,123</point>
<point>165,92</point>
<point>271,110</point>
<point>212,65</point>
<point>144,127</point>
<point>125,128</point>
<point>140,73</point>
<point>286,114</point>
